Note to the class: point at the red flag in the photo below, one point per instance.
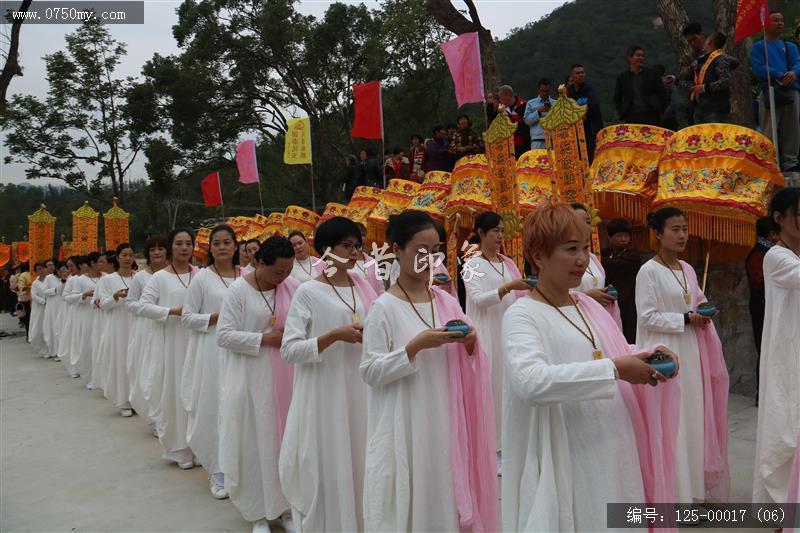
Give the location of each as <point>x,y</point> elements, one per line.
<point>368,123</point>
<point>212,190</point>
<point>751,18</point>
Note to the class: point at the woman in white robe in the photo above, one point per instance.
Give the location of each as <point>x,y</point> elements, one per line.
<point>779,394</point>
<point>247,254</point>
<point>409,482</point>
<point>569,445</point>
<point>107,264</point>
<point>155,254</point>
<point>251,416</point>
<point>305,266</point>
<point>70,311</point>
<point>162,300</point>
<point>81,350</point>
<point>201,383</point>
<point>490,283</point>
<point>115,337</point>
<point>38,302</point>
<point>322,455</point>
<point>664,303</point>
<point>53,320</point>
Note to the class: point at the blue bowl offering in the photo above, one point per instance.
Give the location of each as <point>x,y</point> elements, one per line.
<point>662,363</point>
<point>706,309</point>
<point>532,281</point>
<point>441,278</point>
<point>458,325</point>
<point>612,291</point>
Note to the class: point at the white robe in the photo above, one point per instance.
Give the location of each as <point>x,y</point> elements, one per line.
<point>408,424</point>
<point>300,270</point>
<point>660,304</point>
<point>250,445</point>
<point>36,324</point>
<point>53,318</point>
<point>114,340</point>
<point>485,309</point>
<point>594,277</point>
<point>201,382</point>
<point>81,356</point>
<point>568,442</point>
<point>70,311</point>
<point>322,454</point>
<point>99,358</point>
<point>138,345</point>
<point>779,386</point>
<point>168,346</point>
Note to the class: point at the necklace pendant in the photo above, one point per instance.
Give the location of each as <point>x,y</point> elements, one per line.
<point>687,298</point>
<point>273,320</point>
<point>594,281</point>
<point>597,354</point>
<point>356,318</point>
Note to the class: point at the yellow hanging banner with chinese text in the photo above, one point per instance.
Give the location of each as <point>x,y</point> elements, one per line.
<point>84,229</point>
<point>298,142</point>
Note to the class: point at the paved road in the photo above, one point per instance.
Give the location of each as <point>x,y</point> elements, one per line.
<point>69,462</point>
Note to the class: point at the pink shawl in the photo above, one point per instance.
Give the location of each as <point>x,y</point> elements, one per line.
<point>282,372</point>
<point>654,411</point>
<point>715,400</point>
<point>472,428</point>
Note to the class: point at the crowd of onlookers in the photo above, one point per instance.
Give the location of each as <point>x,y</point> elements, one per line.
<point>699,93</point>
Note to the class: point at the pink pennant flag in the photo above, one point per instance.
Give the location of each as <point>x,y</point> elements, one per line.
<point>246,162</point>
<point>463,56</point>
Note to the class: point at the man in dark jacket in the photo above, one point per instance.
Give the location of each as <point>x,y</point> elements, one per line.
<point>437,152</point>
<point>754,266</point>
<point>710,87</point>
<point>622,264</point>
<point>584,94</point>
<point>639,93</point>
<point>514,108</point>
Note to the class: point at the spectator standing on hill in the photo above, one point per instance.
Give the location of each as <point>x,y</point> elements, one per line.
<point>416,158</point>
<point>537,109</point>
<point>584,93</point>
<point>438,152</point>
<point>639,92</point>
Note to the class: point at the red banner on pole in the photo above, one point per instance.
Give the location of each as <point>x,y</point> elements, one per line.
<point>212,189</point>
<point>751,18</point>
<point>368,123</point>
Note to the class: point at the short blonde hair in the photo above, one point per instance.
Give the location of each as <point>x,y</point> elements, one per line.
<point>550,226</point>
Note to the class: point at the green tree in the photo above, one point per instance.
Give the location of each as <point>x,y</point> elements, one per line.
<point>79,132</point>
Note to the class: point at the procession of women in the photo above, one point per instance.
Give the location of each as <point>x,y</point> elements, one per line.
<point>320,393</point>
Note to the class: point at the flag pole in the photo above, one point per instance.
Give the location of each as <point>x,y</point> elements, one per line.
<point>771,95</point>
<point>383,135</point>
<point>258,177</point>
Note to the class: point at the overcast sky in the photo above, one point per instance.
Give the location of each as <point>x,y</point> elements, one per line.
<point>155,35</point>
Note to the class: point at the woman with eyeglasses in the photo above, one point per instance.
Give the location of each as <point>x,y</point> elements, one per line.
<point>162,301</point>
<point>155,254</point>
<point>430,462</point>
<point>322,455</point>
<point>116,329</point>
<point>306,267</point>
<point>257,386</point>
<point>201,384</point>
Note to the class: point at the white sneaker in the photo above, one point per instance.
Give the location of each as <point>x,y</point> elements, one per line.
<point>196,461</point>
<point>287,522</point>
<point>261,526</point>
<point>57,359</point>
<point>155,431</point>
<point>74,375</point>
<point>126,412</point>
<point>89,386</point>
<point>186,466</point>
<point>217,491</point>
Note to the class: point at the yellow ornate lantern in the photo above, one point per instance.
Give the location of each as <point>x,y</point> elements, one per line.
<point>722,177</point>
<point>5,253</point>
<point>201,245</point>
<point>431,197</point>
<point>625,170</point>
<point>84,229</point>
<point>299,219</point>
<point>273,227</point>
<point>534,181</point>
<point>41,234</point>
<point>396,198</point>
<point>332,209</point>
<point>115,222</point>
<point>363,201</point>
